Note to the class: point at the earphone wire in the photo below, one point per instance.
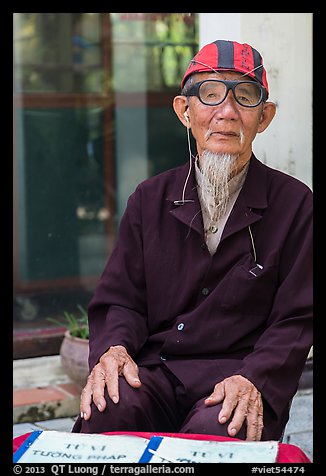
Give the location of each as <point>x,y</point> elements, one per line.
<point>190,167</point>
<point>252,244</point>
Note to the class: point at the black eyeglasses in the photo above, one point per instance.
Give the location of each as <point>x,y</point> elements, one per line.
<point>212,92</point>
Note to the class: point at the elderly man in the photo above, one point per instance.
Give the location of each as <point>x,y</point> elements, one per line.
<point>202,319</point>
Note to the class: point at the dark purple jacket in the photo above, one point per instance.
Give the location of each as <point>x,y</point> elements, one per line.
<point>164,297</point>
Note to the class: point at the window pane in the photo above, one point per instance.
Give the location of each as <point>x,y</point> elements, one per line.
<point>57,52</point>
<point>151,50</point>
<point>61,199</point>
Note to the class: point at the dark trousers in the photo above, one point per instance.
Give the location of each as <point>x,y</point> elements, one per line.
<point>159,405</point>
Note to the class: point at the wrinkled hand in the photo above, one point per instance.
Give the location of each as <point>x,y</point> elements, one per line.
<point>113,363</point>
<point>239,394</point>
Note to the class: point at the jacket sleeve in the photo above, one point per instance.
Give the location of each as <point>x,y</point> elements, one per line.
<point>279,356</point>
<point>117,312</point>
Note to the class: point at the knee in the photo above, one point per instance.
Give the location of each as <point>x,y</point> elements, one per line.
<point>204,420</point>
<point>122,416</point>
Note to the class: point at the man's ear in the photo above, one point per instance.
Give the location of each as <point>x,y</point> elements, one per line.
<point>180,106</point>
<point>267,115</point>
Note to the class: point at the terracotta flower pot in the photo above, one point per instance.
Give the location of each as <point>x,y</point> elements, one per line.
<point>74,358</point>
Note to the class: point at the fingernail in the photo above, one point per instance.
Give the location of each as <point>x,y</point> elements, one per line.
<point>223,419</point>
<point>137,380</point>
<point>99,406</point>
<point>81,415</point>
<point>233,431</point>
<point>115,399</point>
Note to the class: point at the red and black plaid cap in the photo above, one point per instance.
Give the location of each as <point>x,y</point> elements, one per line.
<point>225,55</point>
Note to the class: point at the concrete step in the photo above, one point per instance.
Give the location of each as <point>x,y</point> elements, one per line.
<point>38,371</point>
<point>42,391</point>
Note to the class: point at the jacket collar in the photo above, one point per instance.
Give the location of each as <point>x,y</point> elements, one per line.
<point>247,209</point>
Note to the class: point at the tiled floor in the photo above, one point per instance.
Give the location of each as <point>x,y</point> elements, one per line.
<point>299,430</point>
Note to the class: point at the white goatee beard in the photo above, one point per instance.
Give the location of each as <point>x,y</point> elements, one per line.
<point>217,169</point>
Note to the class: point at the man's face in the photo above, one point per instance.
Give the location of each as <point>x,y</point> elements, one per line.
<point>226,128</point>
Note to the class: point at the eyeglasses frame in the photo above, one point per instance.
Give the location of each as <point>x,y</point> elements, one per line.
<point>230,84</point>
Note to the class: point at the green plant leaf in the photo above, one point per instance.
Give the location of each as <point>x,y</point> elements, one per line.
<point>77,326</point>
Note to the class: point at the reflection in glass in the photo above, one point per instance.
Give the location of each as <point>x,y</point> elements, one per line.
<point>92,117</point>
<point>57,52</point>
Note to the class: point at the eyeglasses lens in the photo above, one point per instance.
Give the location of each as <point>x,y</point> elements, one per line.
<point>246,93</point>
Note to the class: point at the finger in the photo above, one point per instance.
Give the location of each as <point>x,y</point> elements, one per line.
<point>217,396</point>
<point>255,424</point>
<point>239,416</point>
<point>229,403</point>
<point>98,385</point>
<point>130,373</point>
<point>86,400</point>
<point>112,379</point>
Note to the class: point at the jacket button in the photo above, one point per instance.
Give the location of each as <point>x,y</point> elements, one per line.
<point>204,291</point>
<point>203,246</point>
<point>180,326</point>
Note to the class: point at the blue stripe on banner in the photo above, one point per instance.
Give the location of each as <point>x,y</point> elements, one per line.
<point>27,443</point>
<point>153,444</point>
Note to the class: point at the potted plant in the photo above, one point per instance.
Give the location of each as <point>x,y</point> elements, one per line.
<point>74,349</point>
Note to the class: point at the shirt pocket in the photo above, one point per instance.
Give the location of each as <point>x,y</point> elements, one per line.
<point>250,287</point>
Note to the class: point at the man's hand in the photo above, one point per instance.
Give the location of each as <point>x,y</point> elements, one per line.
<point>239,394</point>
<point>116,361</point>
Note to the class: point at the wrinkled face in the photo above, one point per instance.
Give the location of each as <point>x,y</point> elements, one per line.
<point>225,128</point>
